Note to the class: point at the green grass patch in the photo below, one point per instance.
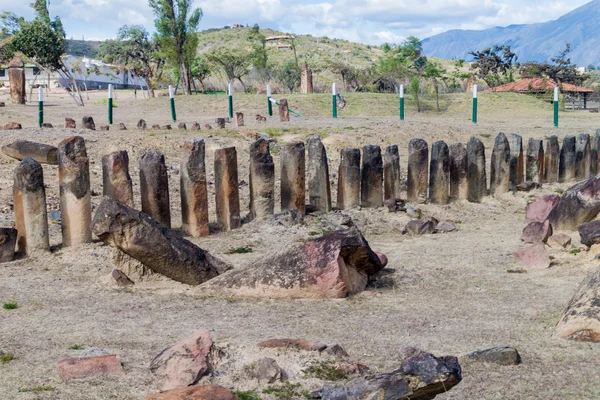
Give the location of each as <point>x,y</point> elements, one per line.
<point>575,251</point>
<point>559,191</point>
<point>37,389</point>
<point>287,391</point>
<point>12,305</point>
<point>240,250</point>
<point>247,395</point>
<point>485,135</point>
<point>105,102</point>
<point>6,357</point>
<point>326,371</point>
<point>77,347</point>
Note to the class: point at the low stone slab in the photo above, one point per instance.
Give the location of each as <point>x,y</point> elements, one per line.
<point>590,233</point>
<point>539,210</point>
<point>89,367</point>
<point>537,232</point>
<point>533,258</point>
<point>559,241</point>
<point>12,126</point>
<point>8,242</point>
<point>497,355</point>
<point>301,344</point>
<point>578,205</point>
<point>42,153</point>
<point>419,227</point>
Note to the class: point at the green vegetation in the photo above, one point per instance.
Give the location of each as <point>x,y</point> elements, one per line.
<point>575,251</point>
<point>77,347</point>
<point>326,371</point>
<point>6,357</point>
<point>247,395</point>
<point>105,102</point>
<point>240,250</point>
<point>10,305</point>
<point>287,391</point>
<point>37,389</point>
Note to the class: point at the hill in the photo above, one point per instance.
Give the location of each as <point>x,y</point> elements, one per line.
<point>81,48</point>
<point>533,42</point>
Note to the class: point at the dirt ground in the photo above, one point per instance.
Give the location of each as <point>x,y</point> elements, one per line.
<point>448,294</point>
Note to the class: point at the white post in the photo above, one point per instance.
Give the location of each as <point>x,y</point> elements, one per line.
<point>556,93</point>
<point>230,90</point>
<point>41,94</point>
<point>401,91</point>
<point>110,91</point>
<point>171,95</point>
<point>268,90</point>
<point>475,91</point>
<point>333,91</point>
<point>333,101</point>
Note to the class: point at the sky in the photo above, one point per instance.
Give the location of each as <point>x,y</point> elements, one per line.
<point>365,21</point>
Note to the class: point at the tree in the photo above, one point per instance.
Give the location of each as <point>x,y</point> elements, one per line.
<point>235,63</point>
<point>434,72</point>
<point>201,70</point>
<point>402,62</point>
<point>289,75</point>
<point>561,70</point>
<point>494,64</point>
<point>259,56</point>
<point>176,25</point>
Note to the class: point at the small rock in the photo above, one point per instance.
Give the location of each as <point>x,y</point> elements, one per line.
<point>300,344</point>
<point>104,128</point>
<point>11,126</point>
<point>319,347</point>
<point>207,126</point>
<point>141,125</point>
<point>395,205</point>
<point>590,233</point>
<point>527,186</point>
<point>87,122</point>
<point>559,241</point>
<point>70,123</point>
<point>210,392</point>
<point>537,232</point>
<point>532,258</point>
<point>419,227</point>
<point>89,367</point>
<point>167,127</point>
<point>182,126</point>
<point>195,126</point>
<point>47,125</point>
<point>8,241</point>
<point>156,127</point>
<point>266,370</point>
<point>497,355</point>
<point>122,126</point>
<point>539,210</point>
<point>121,279</point>
<point>2,104</point>
<point>445,227</point>
<point>337,351</point>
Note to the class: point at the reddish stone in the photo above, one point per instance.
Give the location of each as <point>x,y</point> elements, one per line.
<point>210,392</point>
<point>79,368</point>
<point>537,232</point>
<point>559,241</point>
<point>11,126</point>
<point>539,210</point>
<point>301,344</point>
<point>445,227</point>
<point>70,123</point>
<point>419,227</point>
<point>207,126</point>
<point>532,258</point>
<point>383,258</point>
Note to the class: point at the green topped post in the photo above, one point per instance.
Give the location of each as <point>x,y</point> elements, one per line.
<point>230,96</point>
<point>334,101</point>
<point>556,104</point>
<point>474,119</point>
<point>41,107</point>
<point>401,102</point>
<point>172,100</point>
<point>269,105</point>
<point>110,104</point>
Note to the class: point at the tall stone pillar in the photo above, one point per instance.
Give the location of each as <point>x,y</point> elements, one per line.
<point>517,163</point>
<point>16,79</point>
<point>439,174</point>
<point>284,111</point>
<point>391,173</point>
<point>418,159</point>
<point>500,168</point>
<point>459,167</point>
<point>193,189</point>
<point>534,169</point>
<point>566,166</point>
<point>154,187</point>
<point>371,192</point>
<point>306,81</point>
<point>476,173</point>
<point>582,157</point>
<point>594,150</point>
<point>116,181</point>
<point>262,180</point>
<point>227,189</point>
<point>348,195</point>
<point>552,156</point>
<point>319,190</point>
<point>293,177</point>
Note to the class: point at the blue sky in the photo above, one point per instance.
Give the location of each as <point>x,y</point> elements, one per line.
<point>366,21</point>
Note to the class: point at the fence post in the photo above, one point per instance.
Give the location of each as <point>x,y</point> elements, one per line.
<point>401,102</point>
<point>230,95</point>
<point>334,102</point>
<point>172,100</point>
<point>110,104</point>
<point>269,105</point>
<point>556,103</point>
<point>41,107</point>
<point>474,104</point>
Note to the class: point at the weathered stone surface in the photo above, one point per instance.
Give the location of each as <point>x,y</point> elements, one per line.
<point>537,232</point>
<point>284,111</point>
<point>89,367</point>
<point>227,193</point>
<point>41,153</point>
<point>395,205</point>
<point>185,362</point>
<point>579,204</point>
<point>154,187</point>
<point>532,258</point>
<point>262,180</point>
<point>122,126</point>
<point>500,167</point>
<point>476,174</point>
<point>391,173</point>
<point>195,126</point>
<point>299,344</point>
<point>141,125</point>
<point>47,125</point>
<point>317,174</point>
<point>420,227</point>
<point>121,279</point>
<point>534,171</point>
<point>210,392</point>
<point>182,126</point>
<point>418,159</point>
<point>497,355</point>
<point>439,174</point>
<point>527,186</point>
<point>156,246</point>
<point>31,218</point>
<point>88,123</point>
<point>517,164</point>
<point>582,157</point>
<point>239,119</point>
<point>220,123</point>
<point>581,318</point>
<point>193,189</point>
<point>293,177</point>
<point>167,127</point>
<point>348,195</point>
<point>421,377</point>
<point>16,79</point>
<point>590,233</point>
<point>371,183</point>
<point>105,128</point>
<point>116,181</point>
<point>207,126</point>
<point>12,126</point>
<point>551,161</point>
<point>70,123</point>
<point>75,197</point>
<point>594,151</point>
<point>445,227</point>
<point>559,241</point>
<point>566,166</point>
<point>156,127</point>
<point>266,370</point>
<point>306,80</point>
<point>459,167</point>
<point>333,266</point>
<point>8,241</point>
<point>539,210</point>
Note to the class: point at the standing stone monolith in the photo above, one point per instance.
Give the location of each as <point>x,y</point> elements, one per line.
<point>262,180</point>
<point>239,119</point>
<point>116,181</point>
<point>476,172</point>
<point>293,177</point>
<point>418,159</point>
<point>75,197</point>
<point>348,195</point>
<point>227,192</point>
<point>88,123</point>
<point>284,111</point>
<point>391,173</point>
<point>534,168</point>
<point>371,183</point>
<point>500,167</point>
<point>154,187</point>
<point>517,163</point>
<point>594,150</point>
<point>306,80</point>
<point>220,123</point>
<point>41,153</point>
<point>30,208</point>
<point>317,175</point>
<point>193,189</point>
<point>459,167</point>
<point>552,156</point>
<point>566,166</point>
<point>16,78</point>
<point>582,157</point>
<point>439,174</point>
<point>8,241</point>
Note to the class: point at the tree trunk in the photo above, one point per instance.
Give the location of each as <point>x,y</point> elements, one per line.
<point>203,86</point>
<point>184,75</point>
<point>243,84</point>
<point>437,96</point>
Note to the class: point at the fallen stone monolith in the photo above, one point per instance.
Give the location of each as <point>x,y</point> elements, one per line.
<point>89,367</point>
<point>371,181</point>
<point>348,195</point>
<point>227,192</point>
<point>154,187</point>
<point>590,233</point>
<point>497,355</point>
<point>88,123</point>
<point>539,210</point>
<point>317,175</point>
<point>500,166</point>
<point>116,181</point>
<point>533,258</point>
<point>8,241</point>
<point>439,174</point>
<point>293,177</point>
<point>41,153</point>
<point>17,80</point>
<point>582,157</point>
<point>459,167</point>
<point>578,205</point>
<point>159,248</point>
<point>262,180</point>
<point>75,196</point>
<point>193,188</point>
<point>391,173</point>
<point>284,111</point>
<point>31,218</point>
<point>517,164</point>
<point>418,160</point>
<point>333,266</point>
<point>536,232</point>
<point>534,169</point>
<point>552,160</point>
<point>476,172</point>
<point>566,166</point>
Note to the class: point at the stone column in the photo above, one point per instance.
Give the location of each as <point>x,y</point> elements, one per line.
<point>500,168</point>
<point>293,177</point>
<point>459,167</point>
<point>534,169</point>
<point>582,157</point>
<point>371,192</point>
<point>551,160</point>
<point>154,187</point>
<point>284,111</point>
<point>220,123</point>
<point>566,165</point>
<point>476,173</point>
<point>439,174</point>
<point>262,180</point>
<point>8,241</point>
<point>75,198</point>
<point>193,189</point>
<point>306,81</point>
<point>391,173</point>
<point>418,159</point>
<point>227,193</point>
<point>116,181</point>
<point>239,119</point>
<point>317,174</point>
<point>16,79</point>
<point>517,163</point>
<point>30,208</point>
<point>348,195</point>
<point>594,149</point>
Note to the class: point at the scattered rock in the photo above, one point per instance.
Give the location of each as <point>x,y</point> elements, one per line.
<point>578,205</point>
<point>12,126</point>
<point>2,104</point>
<point>207,126</point>
<point>395,205</point>
<point>559,241</point>
<point>539,210</point>
<point>445,227</point>
<point>122,126</point>
<point>537,232</point>
<point>8,241</point>
<point>141,125</point>
<point>211,392</point>
<point>104,128</point>
<point>590,233</point>
<point>156,127</point>
<point>300,344</point>
<point>182,126</point>
<point>266,370</point>
<point>41,153</point>
<point>534,257</point>
<point>337,351</point>
<point>383,258</point>
<point>47,125</point>
<point>89,367</point>
<point>419,227</point>
<point>220,123</point>
<point>121,279</point>
<point>527,186</point>
<point>167,127</point>
<point>88,123</point>
<point>497,355</point>
<point>70,123</point>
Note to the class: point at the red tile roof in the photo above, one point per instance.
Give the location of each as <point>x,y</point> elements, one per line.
<point>537,85</point>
